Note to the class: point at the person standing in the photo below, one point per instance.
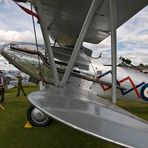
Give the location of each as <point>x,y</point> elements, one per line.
<point>20,86</point>
<point>2,88</point>
<point>42,83</point>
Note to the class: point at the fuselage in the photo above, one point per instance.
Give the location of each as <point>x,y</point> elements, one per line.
<point>131,83</point>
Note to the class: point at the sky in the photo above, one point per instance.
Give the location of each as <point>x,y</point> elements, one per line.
<point>132,37</point>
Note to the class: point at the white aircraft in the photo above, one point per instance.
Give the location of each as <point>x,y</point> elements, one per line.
<point>76,95</point>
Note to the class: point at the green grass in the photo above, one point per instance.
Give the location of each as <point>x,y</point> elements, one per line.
<point>57,135</point>
<point>140,109</point>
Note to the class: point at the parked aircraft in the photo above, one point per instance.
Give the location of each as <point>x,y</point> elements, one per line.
<point>74,96</point>
<point>25,58</point>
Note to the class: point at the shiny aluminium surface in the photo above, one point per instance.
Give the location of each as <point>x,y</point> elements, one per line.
<point>81,109</point>
<point>129,87</point>
<point>25,58</point>
<point>64,18</point>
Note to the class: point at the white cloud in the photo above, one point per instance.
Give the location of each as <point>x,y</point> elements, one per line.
<point>26,36</point>
<point>15,24</point>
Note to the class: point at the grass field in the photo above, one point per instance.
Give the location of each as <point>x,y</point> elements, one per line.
<point>57,135</point>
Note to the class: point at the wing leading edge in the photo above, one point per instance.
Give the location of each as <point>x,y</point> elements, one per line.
<point>85,111</point>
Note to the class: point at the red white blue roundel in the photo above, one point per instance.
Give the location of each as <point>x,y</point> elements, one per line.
<point>144,92</point>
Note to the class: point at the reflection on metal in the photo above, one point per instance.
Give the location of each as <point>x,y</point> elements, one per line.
<point>77,104</point>
<point>24,57</point>
<point>84,111</point>
<point>65,19</point>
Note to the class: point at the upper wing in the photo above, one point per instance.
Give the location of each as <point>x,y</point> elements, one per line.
<point>64,18</point>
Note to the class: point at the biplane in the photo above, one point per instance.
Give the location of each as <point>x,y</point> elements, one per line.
<point>77,96</point>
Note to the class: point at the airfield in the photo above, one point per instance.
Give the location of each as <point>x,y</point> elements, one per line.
<point>57,135</point>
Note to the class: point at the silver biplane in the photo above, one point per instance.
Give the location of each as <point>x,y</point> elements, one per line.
<point>76,96</point>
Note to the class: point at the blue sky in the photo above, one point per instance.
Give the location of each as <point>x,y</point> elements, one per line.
<point>15,25</point>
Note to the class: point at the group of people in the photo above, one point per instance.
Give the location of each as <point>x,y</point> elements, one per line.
<point>3,86</point>
<point>42,83</point>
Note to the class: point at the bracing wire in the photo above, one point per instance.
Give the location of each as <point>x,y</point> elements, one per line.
<point>35,35</point>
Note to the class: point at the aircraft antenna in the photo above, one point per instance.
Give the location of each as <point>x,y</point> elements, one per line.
<point>35,36</point>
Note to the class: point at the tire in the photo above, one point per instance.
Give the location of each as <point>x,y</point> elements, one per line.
<point>37,117</point>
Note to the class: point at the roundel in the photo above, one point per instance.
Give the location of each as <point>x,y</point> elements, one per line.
<point>144,92</point>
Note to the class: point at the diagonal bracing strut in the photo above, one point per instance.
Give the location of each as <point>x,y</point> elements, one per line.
<point>80,40</point>
<point>47,44</point>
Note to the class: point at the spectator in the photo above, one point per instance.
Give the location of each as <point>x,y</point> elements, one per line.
<point>2,88</point>
<point>20,86</point>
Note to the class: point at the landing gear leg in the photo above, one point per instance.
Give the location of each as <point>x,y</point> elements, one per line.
<point>37,117</point>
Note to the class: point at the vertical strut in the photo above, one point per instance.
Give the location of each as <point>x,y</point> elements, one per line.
<point>113,48</point>
<point>79,41</point>
<point>47,44</point>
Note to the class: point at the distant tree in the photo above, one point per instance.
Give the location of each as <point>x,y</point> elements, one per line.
<point>128,61</point>
<point>141,65</point>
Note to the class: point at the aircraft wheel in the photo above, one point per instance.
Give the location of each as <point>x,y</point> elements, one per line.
<point>37,117</point>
